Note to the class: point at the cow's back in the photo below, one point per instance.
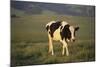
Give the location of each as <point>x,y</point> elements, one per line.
<point>55,29</point>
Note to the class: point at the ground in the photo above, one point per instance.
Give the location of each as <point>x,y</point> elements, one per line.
<point>29,40</point>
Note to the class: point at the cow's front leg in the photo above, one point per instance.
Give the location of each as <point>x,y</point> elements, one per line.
<point>67,52</point>
<point>65,46</point>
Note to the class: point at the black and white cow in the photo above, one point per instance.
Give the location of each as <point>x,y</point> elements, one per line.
<point>60,31</point>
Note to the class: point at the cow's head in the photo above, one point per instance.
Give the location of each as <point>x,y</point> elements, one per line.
<point>72,32</point>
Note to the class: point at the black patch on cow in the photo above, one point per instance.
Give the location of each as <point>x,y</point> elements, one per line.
<point>47,27</point>
<point>54,26</point>
<point>65,33</point>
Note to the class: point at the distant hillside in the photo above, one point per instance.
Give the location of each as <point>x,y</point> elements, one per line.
<point>16,11</point>
<point>64,9</point>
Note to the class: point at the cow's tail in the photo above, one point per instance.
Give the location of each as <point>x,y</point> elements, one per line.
<point>47,27</point>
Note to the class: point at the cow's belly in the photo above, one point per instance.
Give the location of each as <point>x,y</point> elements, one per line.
<point>56,35</point>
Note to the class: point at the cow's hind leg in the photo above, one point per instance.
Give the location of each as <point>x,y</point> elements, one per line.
<point>50,45</point>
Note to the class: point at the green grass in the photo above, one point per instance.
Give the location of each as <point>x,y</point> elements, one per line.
<point>29,41</point>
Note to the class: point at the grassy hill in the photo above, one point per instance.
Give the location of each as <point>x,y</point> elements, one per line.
<point>65,9</point>
<point>17,12</point>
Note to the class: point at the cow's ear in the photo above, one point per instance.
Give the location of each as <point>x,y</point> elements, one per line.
<point>76,28</point>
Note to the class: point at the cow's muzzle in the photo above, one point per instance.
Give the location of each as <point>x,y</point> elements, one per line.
<point>72,40</point>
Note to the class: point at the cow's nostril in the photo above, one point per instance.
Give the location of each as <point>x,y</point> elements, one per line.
<point>73,40</point>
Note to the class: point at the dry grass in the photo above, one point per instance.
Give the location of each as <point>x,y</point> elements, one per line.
<point>29,40</point>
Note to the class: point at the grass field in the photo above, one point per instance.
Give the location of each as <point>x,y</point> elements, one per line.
<point>29,41</point>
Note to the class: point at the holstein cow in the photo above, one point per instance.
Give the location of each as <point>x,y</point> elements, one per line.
<point>60,31</point>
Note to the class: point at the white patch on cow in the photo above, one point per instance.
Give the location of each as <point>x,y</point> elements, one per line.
<point>72,32</point>
<point>56,34</point>
<point>63,24</point>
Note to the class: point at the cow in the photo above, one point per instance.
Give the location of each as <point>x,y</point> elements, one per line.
<point>60,31</point>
